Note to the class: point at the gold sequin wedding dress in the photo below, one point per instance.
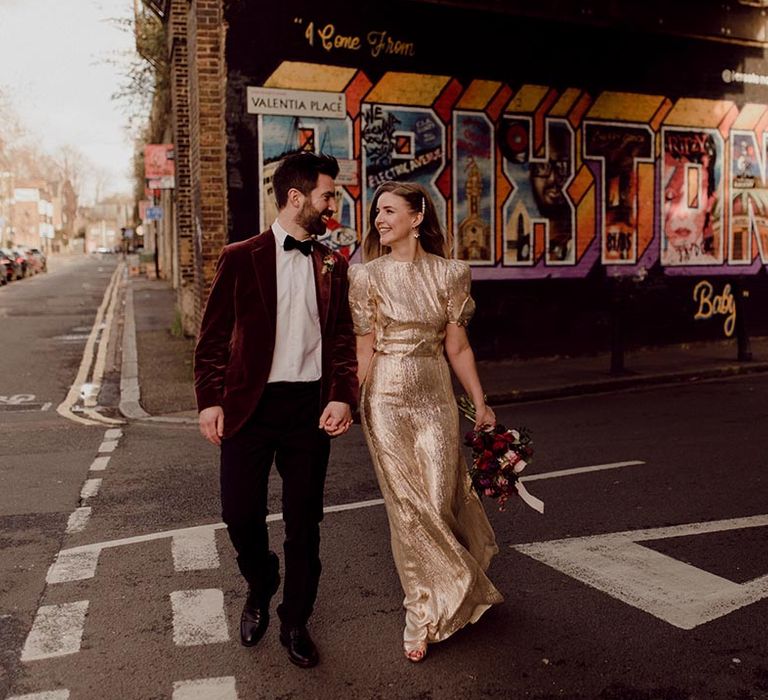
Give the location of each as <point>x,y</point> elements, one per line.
<point>442,542</point>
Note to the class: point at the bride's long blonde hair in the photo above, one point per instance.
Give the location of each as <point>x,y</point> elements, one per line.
<point>431,235</point>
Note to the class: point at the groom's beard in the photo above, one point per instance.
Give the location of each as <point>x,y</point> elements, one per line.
<point>311,220</point>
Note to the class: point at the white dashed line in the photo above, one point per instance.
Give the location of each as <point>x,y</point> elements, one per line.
<point>195,550</point>
<point>222,688</point>
<point>99,464</point>
<point>198,617</point>
<point>79,519</point>
<point>56,631</point>
<point>113,434</point>
<point>108,446</point>
<point>90,488</point>
<point>73,566</point>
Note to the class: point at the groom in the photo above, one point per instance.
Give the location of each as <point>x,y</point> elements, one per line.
<point>275,378</point>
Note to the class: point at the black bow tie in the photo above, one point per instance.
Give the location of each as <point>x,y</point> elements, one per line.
<point>304,246</point>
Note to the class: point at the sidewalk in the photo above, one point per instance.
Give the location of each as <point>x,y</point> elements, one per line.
<point>164,363</point>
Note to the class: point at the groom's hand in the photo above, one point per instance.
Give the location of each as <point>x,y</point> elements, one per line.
<point>336,418</point>
<point>212,424</point>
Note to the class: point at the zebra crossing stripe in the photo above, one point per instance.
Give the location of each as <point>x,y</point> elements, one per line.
<point>78,519</point>
<point>113,434</point>
<point>73,566</point>
<point>222,688</point>
<point>195,550</point>
<point>198,617</point>
<point>100,464</point>
<point>45,695</point>
<point>108,446</point>
<point>56,631</point>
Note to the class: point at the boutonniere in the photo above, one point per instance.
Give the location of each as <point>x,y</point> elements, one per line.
<point>329,262</point>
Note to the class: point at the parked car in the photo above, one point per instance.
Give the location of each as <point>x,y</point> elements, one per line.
<point>13,266</point>
<point>34,264</point>
<point>21,259</point>
<point>40,256</point>
<point>3,273</point>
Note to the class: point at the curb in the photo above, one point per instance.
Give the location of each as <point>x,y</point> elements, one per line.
<point>629,382</point>
<point>130,392</point>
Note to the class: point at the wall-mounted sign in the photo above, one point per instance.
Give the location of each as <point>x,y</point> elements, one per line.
<point>711,304</point>
<point>154,214</point>
<point>159,166</point>
<point>296,103</point>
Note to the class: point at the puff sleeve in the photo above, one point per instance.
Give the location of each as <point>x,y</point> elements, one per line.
<point>361,302</point>
<point>461,306</point>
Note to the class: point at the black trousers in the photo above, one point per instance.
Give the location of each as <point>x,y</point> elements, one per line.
<point>283,430</point>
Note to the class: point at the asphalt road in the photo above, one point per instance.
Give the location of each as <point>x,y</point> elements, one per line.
<point>672,607</point>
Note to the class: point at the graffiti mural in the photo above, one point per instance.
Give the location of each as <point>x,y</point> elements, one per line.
<point>691,197</point>
<point>535,182</point>
<point>281,135</point>
<point>748,200</point>
<point>403,144</point>
<point>619,148</point>
<point>473,196</point>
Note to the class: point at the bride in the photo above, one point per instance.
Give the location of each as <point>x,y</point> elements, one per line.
<point>410,306</point>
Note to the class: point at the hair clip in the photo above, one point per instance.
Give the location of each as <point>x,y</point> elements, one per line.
<point>423,204</point>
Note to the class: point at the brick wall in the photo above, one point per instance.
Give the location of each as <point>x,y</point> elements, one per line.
<point>207,142</point>
<point>184,268</point>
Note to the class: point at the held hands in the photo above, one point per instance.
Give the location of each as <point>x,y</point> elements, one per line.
<point>336,418</point>
<point>485,417</point>
<point>212,424</point>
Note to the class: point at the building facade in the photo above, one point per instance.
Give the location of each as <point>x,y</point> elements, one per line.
<point>585,167</point>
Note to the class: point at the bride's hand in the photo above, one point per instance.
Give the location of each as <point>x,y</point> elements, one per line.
<point>485,418</point>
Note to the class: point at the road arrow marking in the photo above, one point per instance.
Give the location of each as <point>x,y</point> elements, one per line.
<point>678,593</point>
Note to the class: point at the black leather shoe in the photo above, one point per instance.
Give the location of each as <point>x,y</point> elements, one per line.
<point>301,649</point>
<point>253,623</point>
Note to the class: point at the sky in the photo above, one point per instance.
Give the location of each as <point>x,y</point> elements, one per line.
<point>54,68</point>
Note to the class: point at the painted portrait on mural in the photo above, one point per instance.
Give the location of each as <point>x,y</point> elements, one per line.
<point>403,143</point>
<point>473,188</point>
<point>280,135</point>
<point>619,148</point>
<point>692,220</point>
<point>539,193</point>
<point>749,199</point>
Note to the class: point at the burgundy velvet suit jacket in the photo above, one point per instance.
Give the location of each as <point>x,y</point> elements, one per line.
<point>233,355</point>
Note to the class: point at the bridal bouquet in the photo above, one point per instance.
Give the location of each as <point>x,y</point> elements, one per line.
<point>499,454</point>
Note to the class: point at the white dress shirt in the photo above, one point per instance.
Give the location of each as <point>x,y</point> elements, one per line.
<point>298,343</point>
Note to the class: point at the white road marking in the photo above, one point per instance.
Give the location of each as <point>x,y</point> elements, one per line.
<point>45,695</point>
<point>198,617</point>
<point>65,407</point>
<point>678,593</point>
<point>101,355</point>
<point>195,550</point>
<point>328,509</point>
<point>222,688</point>
<point>100,464</point>
<point>56,631</point>
<point>113,434</point>
<point>78,519</point>
<point>580,470</point>
<point>45,407</point>
<point>73,566</point>
<point>90,488</point>
<point>108,446</point>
